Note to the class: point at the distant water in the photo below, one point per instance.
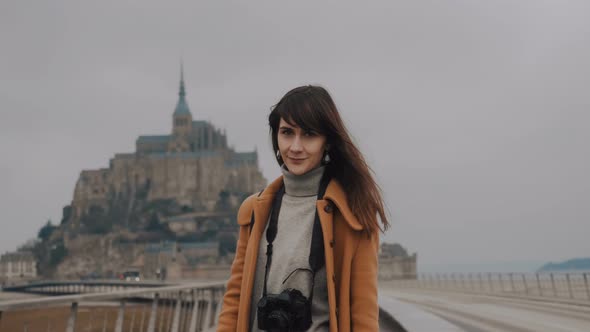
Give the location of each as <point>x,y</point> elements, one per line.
<point>501,267</point>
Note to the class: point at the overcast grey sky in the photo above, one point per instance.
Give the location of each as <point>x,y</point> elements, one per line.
<point>474,115</point>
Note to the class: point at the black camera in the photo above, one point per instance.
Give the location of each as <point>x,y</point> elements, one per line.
<point>287,311</point>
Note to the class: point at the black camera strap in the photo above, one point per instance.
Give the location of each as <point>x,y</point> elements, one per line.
<point>317,258</point>
<point>271,231</point>
<point>316,251</point>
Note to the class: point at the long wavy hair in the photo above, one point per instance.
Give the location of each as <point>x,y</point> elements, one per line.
<point>312,109</point>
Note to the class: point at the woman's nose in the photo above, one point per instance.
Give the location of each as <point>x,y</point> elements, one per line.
<point>296,146</point>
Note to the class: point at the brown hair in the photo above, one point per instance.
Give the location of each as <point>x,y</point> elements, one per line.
<point>312,109</point>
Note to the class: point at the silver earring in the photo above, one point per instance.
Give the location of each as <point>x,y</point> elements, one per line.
<point>278,154</point>
<point>326,158</point>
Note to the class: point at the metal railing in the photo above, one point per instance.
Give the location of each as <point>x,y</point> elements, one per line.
<point>67,287</point>
<point>573,286</point>
<point>183,308</point>
<point>195,307</point>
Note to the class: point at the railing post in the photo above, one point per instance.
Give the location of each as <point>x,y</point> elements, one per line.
<point>585,283</point>
<point>490,282</point>
<point>539,285</point>
<point>120,317</point>
<point>569,285</point>
<point>218,304</point>
<point>512,289</point>
<point>162,315</point>
<point>208,312</point>
<point>194,312</point>
<point>526,287</point>
<point>170,310</point>
<point>553,285</point>
<point>480,278</point>
<point>185,313</point>
<point>176,319</point>
<point>154,311</point>
<point>72,320</point>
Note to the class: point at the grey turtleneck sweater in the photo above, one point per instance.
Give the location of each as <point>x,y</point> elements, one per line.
<point>291,249</point>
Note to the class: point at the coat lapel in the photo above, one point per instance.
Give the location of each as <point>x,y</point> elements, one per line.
<point>335,193</point>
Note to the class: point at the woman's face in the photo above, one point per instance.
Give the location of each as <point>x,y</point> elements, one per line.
<point>300,150</point>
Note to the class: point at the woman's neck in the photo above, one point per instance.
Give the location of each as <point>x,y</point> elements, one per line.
<point>307,184</point>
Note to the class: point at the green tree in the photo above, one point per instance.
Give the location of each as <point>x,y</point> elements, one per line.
<point>154,225</point>
<point>46,231</point>
<point>57,253</point>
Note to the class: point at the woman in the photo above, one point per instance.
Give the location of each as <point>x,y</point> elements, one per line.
<point>312,236</point>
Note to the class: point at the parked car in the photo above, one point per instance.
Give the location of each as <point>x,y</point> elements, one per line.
<point>130,276</point>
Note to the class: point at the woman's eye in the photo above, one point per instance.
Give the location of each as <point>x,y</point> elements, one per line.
<point>309,133</point>
<point>285,131</point>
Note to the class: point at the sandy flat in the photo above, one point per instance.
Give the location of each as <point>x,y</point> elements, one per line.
<point>5,296</point>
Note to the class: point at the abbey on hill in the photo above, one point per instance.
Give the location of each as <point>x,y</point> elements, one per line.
<point>191,166</point>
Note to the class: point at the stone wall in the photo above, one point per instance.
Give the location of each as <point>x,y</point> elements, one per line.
<point>97,254</point>
<point>192,179</point>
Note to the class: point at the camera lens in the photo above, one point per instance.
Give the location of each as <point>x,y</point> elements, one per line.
<point>278,321</point>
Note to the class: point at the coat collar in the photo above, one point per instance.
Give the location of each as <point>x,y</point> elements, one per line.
<point>334,193</point>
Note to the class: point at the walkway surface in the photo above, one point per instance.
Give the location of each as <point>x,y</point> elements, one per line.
<point>491,313</point>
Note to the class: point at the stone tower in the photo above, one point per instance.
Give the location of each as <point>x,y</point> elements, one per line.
<point>182,118</point>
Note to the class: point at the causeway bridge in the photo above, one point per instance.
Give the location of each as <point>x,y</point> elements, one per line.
<point>432,302</point>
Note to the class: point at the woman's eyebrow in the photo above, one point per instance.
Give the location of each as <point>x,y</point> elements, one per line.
<point>285,127</point>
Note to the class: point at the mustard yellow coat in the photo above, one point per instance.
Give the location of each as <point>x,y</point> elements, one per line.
<point>351,263</point>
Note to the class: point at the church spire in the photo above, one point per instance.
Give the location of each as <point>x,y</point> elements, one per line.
<point>182,106</point>
<point>181,93</point>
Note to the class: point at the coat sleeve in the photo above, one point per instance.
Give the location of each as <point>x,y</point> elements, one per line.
<point>231,300</point>
<point>364,311</point>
